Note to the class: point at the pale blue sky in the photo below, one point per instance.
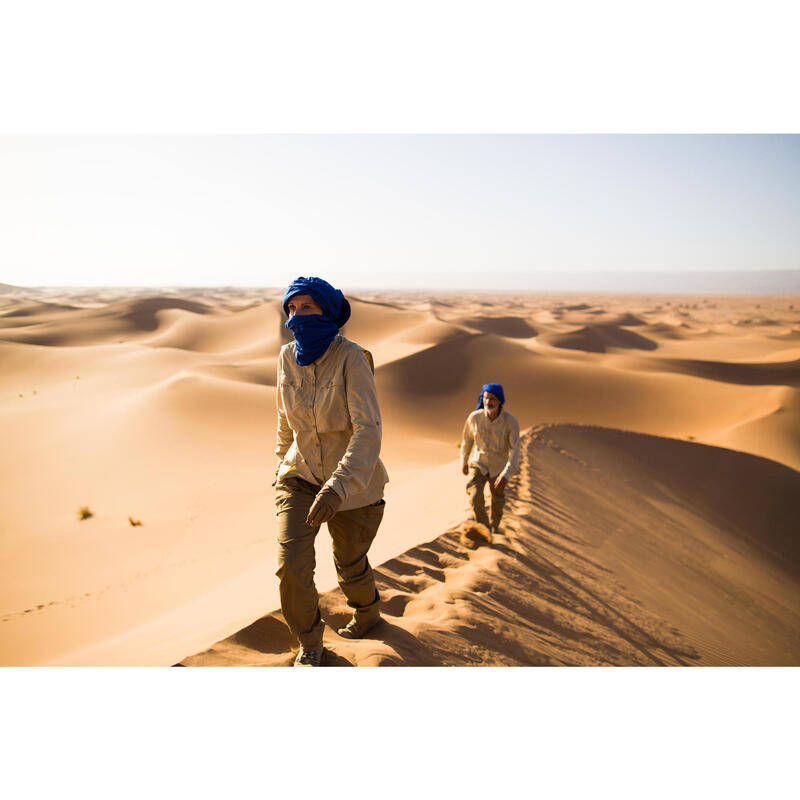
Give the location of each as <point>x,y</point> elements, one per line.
<point>391,211</point>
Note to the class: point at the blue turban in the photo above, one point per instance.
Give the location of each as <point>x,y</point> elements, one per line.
<point>496,389</point>
<point>333,303</point>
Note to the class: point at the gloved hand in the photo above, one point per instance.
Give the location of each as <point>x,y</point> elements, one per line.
<point>325,505</point>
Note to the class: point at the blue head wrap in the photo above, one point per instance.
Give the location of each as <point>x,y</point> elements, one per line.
<point>313,333</point>
<point>496,389</point>
<point>333,303</point>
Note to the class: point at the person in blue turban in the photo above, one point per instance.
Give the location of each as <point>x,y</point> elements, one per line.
<point>489,453</point>
<point>326,311</point>
<point>494,389</point>
<point>329,470</point>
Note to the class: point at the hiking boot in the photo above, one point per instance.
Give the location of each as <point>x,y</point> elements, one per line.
<point>309,658</point>
<point>496,530</point>
<point>357,630</point>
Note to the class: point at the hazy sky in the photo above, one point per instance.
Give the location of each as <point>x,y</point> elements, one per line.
<point>382,211</point>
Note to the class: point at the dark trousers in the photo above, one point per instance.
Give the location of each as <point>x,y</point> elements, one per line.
<point>351,532</point>
<point>475,490</point>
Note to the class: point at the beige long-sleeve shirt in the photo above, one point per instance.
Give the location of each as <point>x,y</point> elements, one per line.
<point>492,446</point>
<point>329,423</point>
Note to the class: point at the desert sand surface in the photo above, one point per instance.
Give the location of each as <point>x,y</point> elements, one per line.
<point>653,521</point>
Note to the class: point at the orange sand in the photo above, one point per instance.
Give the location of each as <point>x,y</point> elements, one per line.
<point>653,522</point>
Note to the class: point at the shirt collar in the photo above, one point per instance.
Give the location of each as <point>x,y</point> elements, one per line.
<point>492,421</point>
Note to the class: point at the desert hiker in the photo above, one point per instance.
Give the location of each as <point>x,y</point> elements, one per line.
<point>329,439</point>
<point>489,452</point>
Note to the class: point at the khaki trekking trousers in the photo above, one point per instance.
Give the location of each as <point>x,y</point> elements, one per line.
<point>351,532</point>
<point>475,490</point>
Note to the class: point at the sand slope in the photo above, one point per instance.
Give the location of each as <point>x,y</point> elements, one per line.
<point>618,549</point>
<point>159,406</point>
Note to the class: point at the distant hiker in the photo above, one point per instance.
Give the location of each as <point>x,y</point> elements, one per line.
<point>329,438</point>
<point>489,452</point>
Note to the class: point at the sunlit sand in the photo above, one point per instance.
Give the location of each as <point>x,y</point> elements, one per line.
<point>654,519</point>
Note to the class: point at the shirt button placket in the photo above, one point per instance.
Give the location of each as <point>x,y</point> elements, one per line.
<point>318,449</point>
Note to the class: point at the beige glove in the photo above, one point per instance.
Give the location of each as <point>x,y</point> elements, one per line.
<point>325,505</point>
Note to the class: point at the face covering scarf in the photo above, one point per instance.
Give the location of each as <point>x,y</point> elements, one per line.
<point>312,334</point>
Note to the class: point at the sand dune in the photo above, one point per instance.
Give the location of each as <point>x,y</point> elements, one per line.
<point>371,323</point>
<point>160,406</point>
<point>115,323</point>
<point>785,373</point>
<point>13,317</point>
<point>599,338</point>
<point>249,329</point>
<point>427,391</point>
<point>410,339</point>
<point>511,327</point>
<point>772,429</point>
<point>619,549</point>
<point>663,330</point>
<point>627,320</point>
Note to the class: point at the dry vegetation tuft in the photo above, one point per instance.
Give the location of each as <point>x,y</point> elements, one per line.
<point>474,534</point>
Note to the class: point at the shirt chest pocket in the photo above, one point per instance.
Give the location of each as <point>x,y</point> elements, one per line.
<point>489,440</point>
<point>330,406</point>
<point>297,403</point>
<point>481,440</point>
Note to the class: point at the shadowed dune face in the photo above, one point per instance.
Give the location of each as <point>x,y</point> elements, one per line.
<point>752,500</point>
<point>770,374</point>
<point>573,307</point>
<point>143,313</point>
<point>436,371</point>
<point>162,409</point>
<point>664,331</point>
<point>599,338</point>
<point>628,321</point>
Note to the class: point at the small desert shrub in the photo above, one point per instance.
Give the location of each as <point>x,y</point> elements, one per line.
<point>84,513</point>
<point>134,521</point>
